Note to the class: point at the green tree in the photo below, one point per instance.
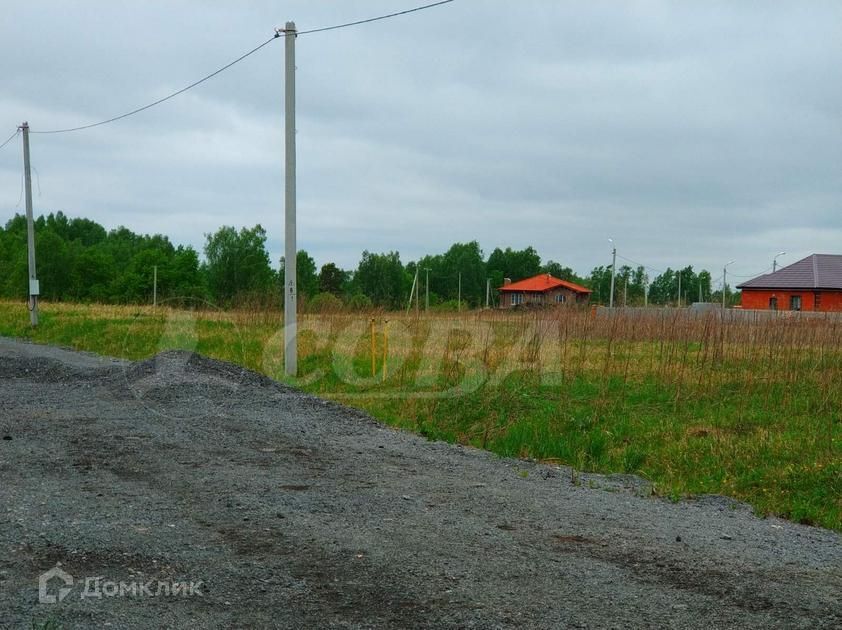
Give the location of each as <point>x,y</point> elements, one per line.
<point>663,287</point>
<point>54,266</point>
<point>331,279</point>
<point>382,279</point>
<point>465,259</point>
<point>599,281</point>
<point>237,263</point>
<point>557,270</point>
<point>513,264</point>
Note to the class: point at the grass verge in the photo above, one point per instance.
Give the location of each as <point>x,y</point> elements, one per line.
<point>748,410</point>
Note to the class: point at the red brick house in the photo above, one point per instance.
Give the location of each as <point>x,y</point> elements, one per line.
<point>811,284</point>
<point>542,289</point>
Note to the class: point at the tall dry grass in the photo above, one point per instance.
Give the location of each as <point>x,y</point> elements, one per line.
<point>748,407</point>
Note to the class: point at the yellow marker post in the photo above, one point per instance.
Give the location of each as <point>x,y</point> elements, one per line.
<point>385,346</point>
<point>373,350</point>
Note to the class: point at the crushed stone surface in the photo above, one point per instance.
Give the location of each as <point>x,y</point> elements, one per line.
<point>294,512</point>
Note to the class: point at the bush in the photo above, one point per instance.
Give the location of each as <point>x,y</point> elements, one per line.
<point>359,302</point>
<point>324,303</point>
<point>450,306</point>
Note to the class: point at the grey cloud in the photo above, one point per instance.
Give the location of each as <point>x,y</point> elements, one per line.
<point>692,133</point>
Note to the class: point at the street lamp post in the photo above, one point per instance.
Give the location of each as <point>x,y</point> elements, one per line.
<point>613,271</point>
<point>775,261</point>
<point>724,283</point>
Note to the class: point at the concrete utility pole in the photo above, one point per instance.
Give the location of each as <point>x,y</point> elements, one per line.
<point>155,285</point>
<point>724,283</point>
<point>459,300</point>
<point>645,290</point>
<point>34,289</point>
<point>412,293</point>
<point>487,292</point>
<point>427,289</point>
<point>290,252</point>
<point>775,261</point>
<point>626,293</point>
<point>613,271</point>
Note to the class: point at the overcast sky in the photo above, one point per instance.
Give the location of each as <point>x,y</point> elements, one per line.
<point>691,132</point>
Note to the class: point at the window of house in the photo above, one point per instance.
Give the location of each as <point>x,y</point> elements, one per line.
<point>773,303</point>
<point>795,302</point>
<point>560,298</point>
<point>517,298</point>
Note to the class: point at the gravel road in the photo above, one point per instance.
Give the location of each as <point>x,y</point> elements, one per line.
<point>292,512</point>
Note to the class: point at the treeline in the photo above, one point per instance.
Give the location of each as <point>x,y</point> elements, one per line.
<point>631,286</point>
<point>80,261</point>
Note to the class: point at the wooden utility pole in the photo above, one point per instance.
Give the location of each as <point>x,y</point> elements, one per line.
<point>34,289</point>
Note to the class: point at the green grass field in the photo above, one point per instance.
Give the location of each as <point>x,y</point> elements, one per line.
<point>748,410</point>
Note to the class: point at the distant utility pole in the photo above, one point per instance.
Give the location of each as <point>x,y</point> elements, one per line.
<point>427,289</point>
<point>724,282</point>
<point>155,285</point>
<point>613,272</point>
<point>487,292</point>
<point>412,293</point>
<point>775,261</point>
<point>34,289</point>
<point>700,290</point>
<point>459,299</point>
<point>290,253</point>
<point>626,292</point>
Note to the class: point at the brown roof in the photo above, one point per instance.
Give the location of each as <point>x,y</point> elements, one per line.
<point>819,271</point>
<point>543,282</point>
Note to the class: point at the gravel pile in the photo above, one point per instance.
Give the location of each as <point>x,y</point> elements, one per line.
<point>285,511</point>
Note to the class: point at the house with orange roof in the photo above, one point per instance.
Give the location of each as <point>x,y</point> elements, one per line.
<point>542,289</point>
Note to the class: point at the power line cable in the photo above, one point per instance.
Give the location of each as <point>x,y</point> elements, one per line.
<point>754,275</point>
<point>278,33</point>
<point>20,196</point>
<point>640,264</point>
<point>374,19</point>
<point>164,99</point>
<point>37,179</point>
<point>10,138</point>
